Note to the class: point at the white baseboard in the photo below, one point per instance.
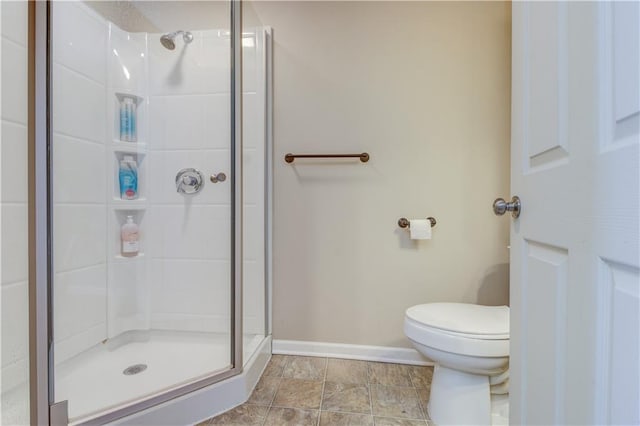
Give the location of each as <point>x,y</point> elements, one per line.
<point>346,351</point>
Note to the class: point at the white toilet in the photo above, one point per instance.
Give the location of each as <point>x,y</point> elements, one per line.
<point>470,347</point>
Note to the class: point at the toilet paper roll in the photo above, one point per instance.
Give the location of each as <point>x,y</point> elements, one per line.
<point>420,229</point>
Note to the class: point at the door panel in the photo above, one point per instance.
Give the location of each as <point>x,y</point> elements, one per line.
<point>575,260</point>
<point>545,299</point>
<point>618,343</point>
<point>546,76</point>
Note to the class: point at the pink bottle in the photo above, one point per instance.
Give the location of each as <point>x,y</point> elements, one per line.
<point>129,235</point>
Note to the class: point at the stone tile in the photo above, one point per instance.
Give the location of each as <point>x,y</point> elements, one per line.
<point>294,393</point>
<point>421,376</point>
<point>386,421</point>
<point>395,401</point>
<point>381,373</point>
<point>347,371</point>
<point>245,414</point>
<point>423,396</point>
<point>291,417</point>
<point>305,367</point>
<point>275,368</point>
<point>346,397</point>
<point>265,391</point>
<point>328,418</point>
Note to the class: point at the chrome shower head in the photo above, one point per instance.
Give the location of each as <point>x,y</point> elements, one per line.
<point>169,40</point>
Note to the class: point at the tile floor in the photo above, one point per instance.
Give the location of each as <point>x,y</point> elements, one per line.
<point>297,390</point>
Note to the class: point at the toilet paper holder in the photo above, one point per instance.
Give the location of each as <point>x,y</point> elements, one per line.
<point>403,222</point>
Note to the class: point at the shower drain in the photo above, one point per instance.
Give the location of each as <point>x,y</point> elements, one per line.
<point>134,369</point>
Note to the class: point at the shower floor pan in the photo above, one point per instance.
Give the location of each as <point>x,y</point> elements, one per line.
<point>94,382</point>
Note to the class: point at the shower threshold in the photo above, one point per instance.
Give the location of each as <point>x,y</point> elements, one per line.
<point>93,381</point>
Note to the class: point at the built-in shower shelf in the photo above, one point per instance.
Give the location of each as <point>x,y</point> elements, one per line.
<point>121,258</point>
<point>124,93</point>
<point>129,147</point>
<point>139,204</point>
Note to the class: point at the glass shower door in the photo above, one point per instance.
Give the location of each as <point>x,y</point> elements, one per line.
<point>143,202</point>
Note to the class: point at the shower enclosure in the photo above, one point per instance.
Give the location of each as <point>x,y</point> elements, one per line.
<point>158,120</point>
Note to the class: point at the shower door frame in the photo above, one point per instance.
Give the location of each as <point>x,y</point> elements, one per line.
<point>43,408</point>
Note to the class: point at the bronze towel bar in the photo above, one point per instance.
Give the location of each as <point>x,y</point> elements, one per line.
<point>364,157</point>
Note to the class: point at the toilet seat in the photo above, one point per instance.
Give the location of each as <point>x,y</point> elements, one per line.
<point>485,322</point>
<point>464,329</point>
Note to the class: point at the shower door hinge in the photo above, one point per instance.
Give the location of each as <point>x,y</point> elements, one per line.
<point>59,413</point>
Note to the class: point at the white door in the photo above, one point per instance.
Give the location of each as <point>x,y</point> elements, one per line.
<point>574,249</point>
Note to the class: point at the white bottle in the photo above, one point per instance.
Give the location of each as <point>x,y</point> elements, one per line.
<point>130,238</point>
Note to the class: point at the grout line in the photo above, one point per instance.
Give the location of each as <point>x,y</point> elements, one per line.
<point>18,43</point>
<point>11,283</point>
<point>424,416</point>
<point>364,414</point>
<point>324,381</point>
<point>79,73</point>
<point>15,204</point>
<point>286,361</point>
<point>80,139</point>
<point>370,386</point>
<point>14,122</point>
<point>79,269</point>
<point>196,94</point>
<point>422,409</point>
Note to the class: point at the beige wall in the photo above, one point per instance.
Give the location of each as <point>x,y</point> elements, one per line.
<point>424,87</point>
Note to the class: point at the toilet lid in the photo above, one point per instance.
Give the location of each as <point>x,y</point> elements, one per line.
<point>489,321</point>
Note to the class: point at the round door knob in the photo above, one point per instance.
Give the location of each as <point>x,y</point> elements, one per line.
<point>220,177</point>
<point>500,206</point>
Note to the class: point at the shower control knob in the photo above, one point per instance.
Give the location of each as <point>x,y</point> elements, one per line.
<point>500,206</point>
<point>220,177</point>
<point>189,181</point>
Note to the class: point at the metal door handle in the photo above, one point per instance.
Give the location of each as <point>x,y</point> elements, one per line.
<point>500,206</point>
<point>220,177</point>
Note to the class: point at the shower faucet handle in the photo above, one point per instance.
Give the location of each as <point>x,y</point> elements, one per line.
<point>189,181</point>
<point>220,177</point>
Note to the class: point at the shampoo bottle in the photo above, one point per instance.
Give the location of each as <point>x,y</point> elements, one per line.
<point>130,236</point>
<point>124,121</point>
<point>131,120</point>
<point>128,176</point>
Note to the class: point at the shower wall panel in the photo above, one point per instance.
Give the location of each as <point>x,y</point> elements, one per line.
<point>254,119</point>
<point>189,98</point>
<point>128,278</point>
<point>14,284</point>
<point>79,84</point>
<point>191,239</point>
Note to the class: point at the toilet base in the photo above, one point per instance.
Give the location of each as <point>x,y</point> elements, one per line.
<point>459,398</point>
<point>500,410</point>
